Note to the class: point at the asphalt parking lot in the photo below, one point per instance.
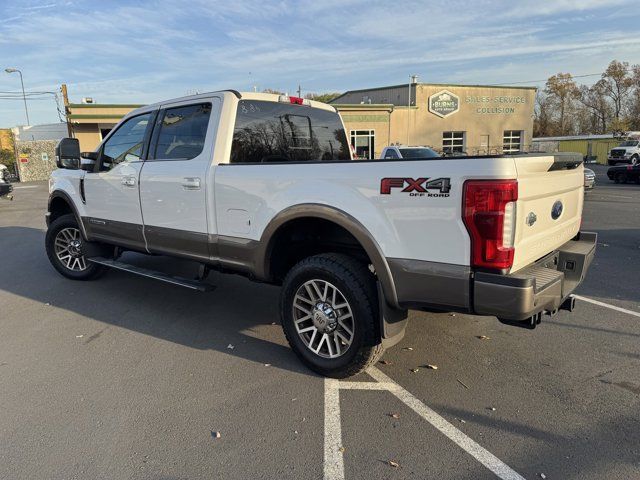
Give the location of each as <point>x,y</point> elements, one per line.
<point>126,377</point>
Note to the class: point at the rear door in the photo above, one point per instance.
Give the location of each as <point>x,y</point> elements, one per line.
<point>111,191</point>
<point>549,207</point>
<point>173,181</point>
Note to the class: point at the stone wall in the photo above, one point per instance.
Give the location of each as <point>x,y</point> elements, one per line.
<point>40,159</point>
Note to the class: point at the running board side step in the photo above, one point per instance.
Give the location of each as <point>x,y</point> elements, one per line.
<point>163,277</point>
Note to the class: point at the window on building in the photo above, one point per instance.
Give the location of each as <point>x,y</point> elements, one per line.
<point>512,141</point>
<point>282,132</point>
<point>453,142</point>
<point>182,132</point>
<point>363,143</point>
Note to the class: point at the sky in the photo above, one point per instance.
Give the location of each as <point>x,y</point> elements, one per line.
<point>143,52</point>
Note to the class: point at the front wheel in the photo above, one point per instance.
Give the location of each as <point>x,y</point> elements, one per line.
<point>66,250</point>
<point>635,159</point>
<point>329,312</point>
<point>620,177</point>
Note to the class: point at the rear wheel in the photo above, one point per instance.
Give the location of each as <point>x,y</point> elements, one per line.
<point>329,315</point>
<point>66,249</point>
<point>635,159</point>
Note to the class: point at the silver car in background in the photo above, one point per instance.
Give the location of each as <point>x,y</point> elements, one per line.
<point>589,179</point>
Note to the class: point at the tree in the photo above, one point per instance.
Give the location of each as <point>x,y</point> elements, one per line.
<point>595,100</point>
<point>271,90</point>
<point>562,90</point>
<point>542,121</point>
<point>617,83</point>
<point>323,97</point>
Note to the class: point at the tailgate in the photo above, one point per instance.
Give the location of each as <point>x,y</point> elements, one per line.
<point>545,182</point>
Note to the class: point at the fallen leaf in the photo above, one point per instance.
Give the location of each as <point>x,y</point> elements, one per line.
<point>462,421</point>
<point>408,348</point>
<point>394,464</point>
<point>385,362</point>
<point>394,415</point>
<point>341,449</point>
<point>230,347</point>
<point>430,367</point>
<point>415,370</point>
<point>215,434</point>
<point>452,314</point>
<point>483,337</point>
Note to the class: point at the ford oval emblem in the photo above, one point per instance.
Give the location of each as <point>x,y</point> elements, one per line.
<point>556,210</point>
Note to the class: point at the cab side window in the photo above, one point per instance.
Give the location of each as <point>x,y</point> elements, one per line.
<point>391,153</point>
<point>125,145</point>
<point>182,132</point>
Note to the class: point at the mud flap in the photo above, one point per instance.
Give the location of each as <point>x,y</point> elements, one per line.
<point>393,321</point>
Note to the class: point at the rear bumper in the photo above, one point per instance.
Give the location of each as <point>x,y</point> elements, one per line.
<point>541,287</point>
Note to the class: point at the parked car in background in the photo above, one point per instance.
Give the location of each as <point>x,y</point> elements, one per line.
<point>624,174</point>
<point>5,186</point>
<point>589,179</point>
<point>627,152</point>
<point>406,152</point>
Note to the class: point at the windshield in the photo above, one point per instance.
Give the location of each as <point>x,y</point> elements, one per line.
<point>418,153</point>
<point>629,143</point>
<point>281,132</point>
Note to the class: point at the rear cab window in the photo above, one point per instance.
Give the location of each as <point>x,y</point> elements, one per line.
<point>182,132</point>
<point>275,132</point>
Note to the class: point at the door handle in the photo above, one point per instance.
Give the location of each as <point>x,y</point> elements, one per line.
<point>129,181</point>
<point>191,183</point>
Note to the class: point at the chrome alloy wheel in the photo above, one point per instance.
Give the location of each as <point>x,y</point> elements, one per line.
<point>68,248</point>
<point>323,318</point>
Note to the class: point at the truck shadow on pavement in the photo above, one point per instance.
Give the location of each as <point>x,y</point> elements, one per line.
<point>237,313</point>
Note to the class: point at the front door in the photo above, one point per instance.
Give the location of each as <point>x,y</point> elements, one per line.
<point>111,191</point>
<point>173,183</point>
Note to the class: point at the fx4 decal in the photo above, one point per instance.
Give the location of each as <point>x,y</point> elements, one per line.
<point>418,187</point>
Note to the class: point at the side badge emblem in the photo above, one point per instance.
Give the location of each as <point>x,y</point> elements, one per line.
<point>531,218</point>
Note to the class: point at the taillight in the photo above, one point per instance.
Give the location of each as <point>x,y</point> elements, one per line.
<point>293,100</point>
<point>489,211</point>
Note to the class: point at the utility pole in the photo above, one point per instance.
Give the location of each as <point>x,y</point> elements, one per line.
<point>299,91</point>
<point>24,96</point>
<point>412,79</point>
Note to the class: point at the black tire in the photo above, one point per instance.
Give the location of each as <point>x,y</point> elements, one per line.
<point>67,222</point>
<point>357,286</point>
<point>620,177</point>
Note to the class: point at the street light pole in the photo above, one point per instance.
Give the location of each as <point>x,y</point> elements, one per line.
<point>412,79</point>
<point>24,96</point>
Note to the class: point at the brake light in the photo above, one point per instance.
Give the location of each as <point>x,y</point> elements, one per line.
<point>293,100</point>
<point>489,215</point>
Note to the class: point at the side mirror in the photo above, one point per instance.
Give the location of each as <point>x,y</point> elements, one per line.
<point>68,153</point>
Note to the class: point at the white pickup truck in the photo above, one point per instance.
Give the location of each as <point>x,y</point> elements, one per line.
<point>265,186</point>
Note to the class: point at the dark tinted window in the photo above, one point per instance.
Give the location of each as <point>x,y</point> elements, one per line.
<point>418,153</point>
<point>282,132</point>
<point>391,153</point>
<point>182,132</point>
<point>125,145</point>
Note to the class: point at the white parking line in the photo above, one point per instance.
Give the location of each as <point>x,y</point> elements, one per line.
<point>607,305</point>
<point>333,457</point>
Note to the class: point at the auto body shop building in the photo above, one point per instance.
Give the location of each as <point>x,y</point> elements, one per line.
<point>454,119</point>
